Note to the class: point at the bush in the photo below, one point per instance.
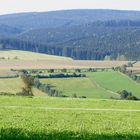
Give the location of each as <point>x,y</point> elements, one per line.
<point>64,70</point>
<point>25,72</point>
<point>125,95</point>
<point>27,89</point>
<point>92,70</point>
<point>129,64</point>
<point>47,89</point>
<point>25,92</point>
<point>51,71</point>
<point>82,97</point>
<point>6,94</point>
<point>78,70</point>
<point>123,68</point>
<point>74,95</point>
<point>132,98</point>
<point>37,83</point>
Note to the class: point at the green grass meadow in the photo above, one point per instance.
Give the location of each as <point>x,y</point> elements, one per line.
<point>49,118</point>
<point>23,118</point>
<point>115,81</point>
<point>78,86</point>
<point>101,84</point>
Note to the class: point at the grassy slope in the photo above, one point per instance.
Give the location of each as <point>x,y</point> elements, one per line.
<point>14,85</point>
<point>116,81</point>
<point>26,55</point>
<point>78,86</point>
<point>34,123</point>
<point>96,85</point>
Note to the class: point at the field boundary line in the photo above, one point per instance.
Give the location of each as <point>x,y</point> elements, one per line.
<point>73,109</point>
<point>101,87</point>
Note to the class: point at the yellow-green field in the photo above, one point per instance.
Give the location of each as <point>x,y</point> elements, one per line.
<point>26,55</point>
<point>15,59</point>
<point>43,118</point>
<point>14,85</point>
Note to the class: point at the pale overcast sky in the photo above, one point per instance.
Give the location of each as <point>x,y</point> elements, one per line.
<point>14,6</point>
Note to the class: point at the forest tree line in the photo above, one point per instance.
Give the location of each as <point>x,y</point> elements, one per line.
<point>110,40</point>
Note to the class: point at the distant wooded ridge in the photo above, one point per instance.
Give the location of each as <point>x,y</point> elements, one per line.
<point>80,34</point>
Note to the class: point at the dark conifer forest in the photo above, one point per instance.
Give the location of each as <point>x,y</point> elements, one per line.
<point>80,34</point>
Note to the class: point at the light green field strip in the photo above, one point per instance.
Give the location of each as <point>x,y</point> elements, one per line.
<point>26,55</point>
<point>115,81</point>
<point>48,102</point>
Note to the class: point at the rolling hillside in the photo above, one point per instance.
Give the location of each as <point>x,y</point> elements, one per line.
<point>98,85</point>
<point>65,17</point>
<point>79,34</point>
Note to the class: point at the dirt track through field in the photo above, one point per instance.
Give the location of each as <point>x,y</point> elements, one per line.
<point>71,109</point>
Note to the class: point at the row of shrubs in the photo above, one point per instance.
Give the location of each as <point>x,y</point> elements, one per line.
<point>53,71</point>
<point>64,70</point>
<point>129,73</point>
<point>47,89</point>
<point>61,75</point>
<point>54,75</point>
<point>6,94</point>
<point>13,76</point>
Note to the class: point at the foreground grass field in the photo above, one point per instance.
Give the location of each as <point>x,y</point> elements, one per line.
<point>40,118</point>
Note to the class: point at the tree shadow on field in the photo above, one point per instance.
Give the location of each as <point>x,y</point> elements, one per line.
<point>21,134</point>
